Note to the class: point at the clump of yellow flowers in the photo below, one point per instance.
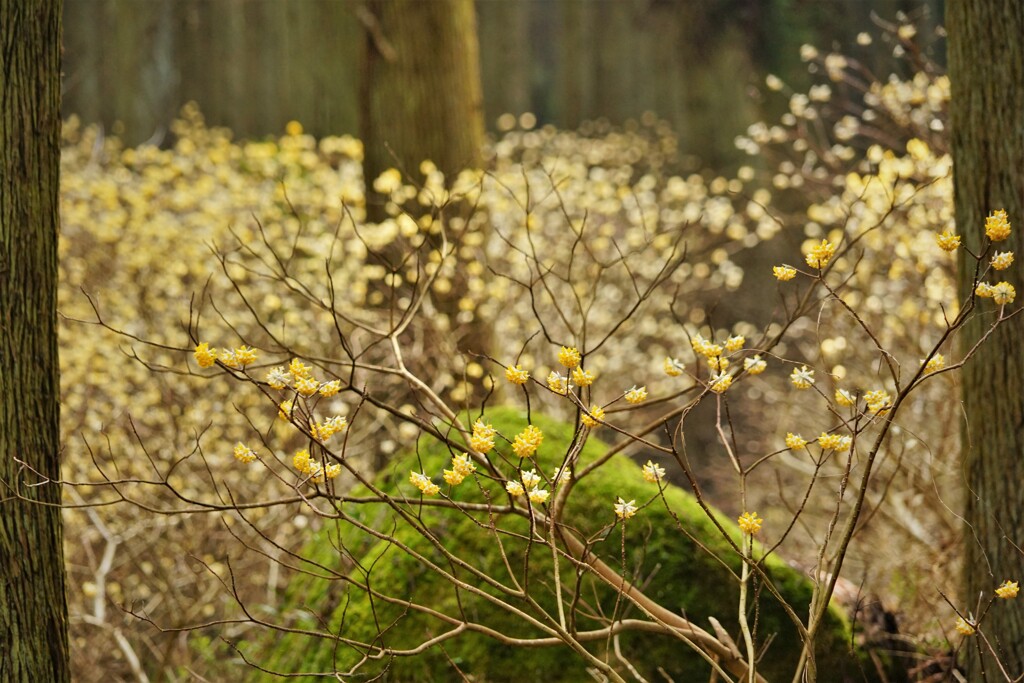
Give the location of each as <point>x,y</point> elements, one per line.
<point>232,358</point>
<point>527,441</point>
<point>750,523</point>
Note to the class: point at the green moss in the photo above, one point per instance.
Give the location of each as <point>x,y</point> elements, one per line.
<point>676,572</point>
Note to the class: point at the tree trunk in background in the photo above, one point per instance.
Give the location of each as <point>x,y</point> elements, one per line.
<point>421,94</point>
<point>33,606</point>
<point>986,66</point>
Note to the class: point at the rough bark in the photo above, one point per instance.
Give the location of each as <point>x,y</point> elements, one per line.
<point>33,606</point>
<point>986,64</point>
<point>421,95</point>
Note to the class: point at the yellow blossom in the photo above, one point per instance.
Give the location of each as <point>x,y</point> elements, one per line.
<point>948,241</point>
<point>302,462</point>
<point>985,290</point>
<point>877,400</point>
<point>964,627</point>
<point>720,382</point>
<point>228,358</point>
<point>802,378</point>
<point>735,343</point>
<point>245,355</point>
<point>834,442</point>
<point>481,444</point>
<point>243,453</point>
<point>754,365</point>
<point>462,464</point>
<point>594,418</point>
<point>1008,590</point>
<point>820,254</point>
<point>934,364</point>
<point>750,523</point>
<point>298,369</point>
<point>673,367</point>
<point>306,386</point>
<point>539,496</point>
<point>453,478</point>
<point>582,378</point>
<point>718,363</point>
<point>331,388</point>
<point>997,226</point>
<point>205,356</point>
<point>845,398</point>
<point>558,383</point>
<point>530,479</point>
<point>278,378</point>
<point>514,488</point>
<point>653,473</point>
<point>527,441</point>
<point>284,410</point>
<point>1003,293</point>
<point>332,470</point>
<point>625,509</point>
<point>516,375</point>
<point>795,441</point>
<point>636,395</point>
<point>1002,260</point>
<point>562,475</point>
<point>784,273</point>
<point>569,356</point>
<point>423,483</point>
<point>484,429</point>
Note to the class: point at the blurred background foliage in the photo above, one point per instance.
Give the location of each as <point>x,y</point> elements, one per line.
<point>569,88</point>
<point>254,65</point>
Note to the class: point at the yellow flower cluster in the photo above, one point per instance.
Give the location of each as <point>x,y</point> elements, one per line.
<point>735,343</point>
<point>802,377</point>
<point>948,241</point>
<point>674,367</point>
<point>482,440</point>
<point>750,523</point>
<point>594,418</point>
<point>878,401</point>
<point>635,395</point>
<point>423,483</point>
<point>323,431</point>
<point>844,398</point>
<point>720,382</point>
<point>1008,590</point>
<point>317,472</point>
<point>964,627</point>
<point>820,254</point>
<point>1002,293</point>
<point>462,467</point>
<point>516,375</point>
<point>625,509</point>
<point>1002,260</point>
<point>569,356</point>
<point>558,383</point>
<point>582,378</point>
<point>934,364</point>
<point>653,473</point>
<point>754,365</point>
<point>784,273</point>
<point>795,441</point>
<point>834,442</point>
<point>529,484</point>
<point>243,453</point>
<point>997,226</point>
<point>232,358</point>
<point>527,441</point>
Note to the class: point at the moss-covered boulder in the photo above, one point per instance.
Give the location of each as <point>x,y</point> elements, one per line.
<point>662,554</point>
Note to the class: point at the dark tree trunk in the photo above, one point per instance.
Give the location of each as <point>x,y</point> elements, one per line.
<point>33,606</point>
<point>986,65</point>
<point>421,93</point>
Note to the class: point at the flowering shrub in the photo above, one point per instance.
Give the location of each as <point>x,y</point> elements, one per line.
<point>295,349</point>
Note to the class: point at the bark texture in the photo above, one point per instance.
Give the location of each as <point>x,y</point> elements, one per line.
<point>986,64</point>
<point>421,92</point>
<point>33,607</point>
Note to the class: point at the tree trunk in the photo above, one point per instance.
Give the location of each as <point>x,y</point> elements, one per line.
<point>986,65</point>
<point>421,95</point>
<point>33,606</point>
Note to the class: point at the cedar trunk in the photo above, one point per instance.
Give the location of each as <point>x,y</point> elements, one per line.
<point>421,94</point>
<point>33,607</point>
<point>986,66</point>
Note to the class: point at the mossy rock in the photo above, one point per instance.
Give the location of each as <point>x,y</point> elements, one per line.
<point>670,566</point>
